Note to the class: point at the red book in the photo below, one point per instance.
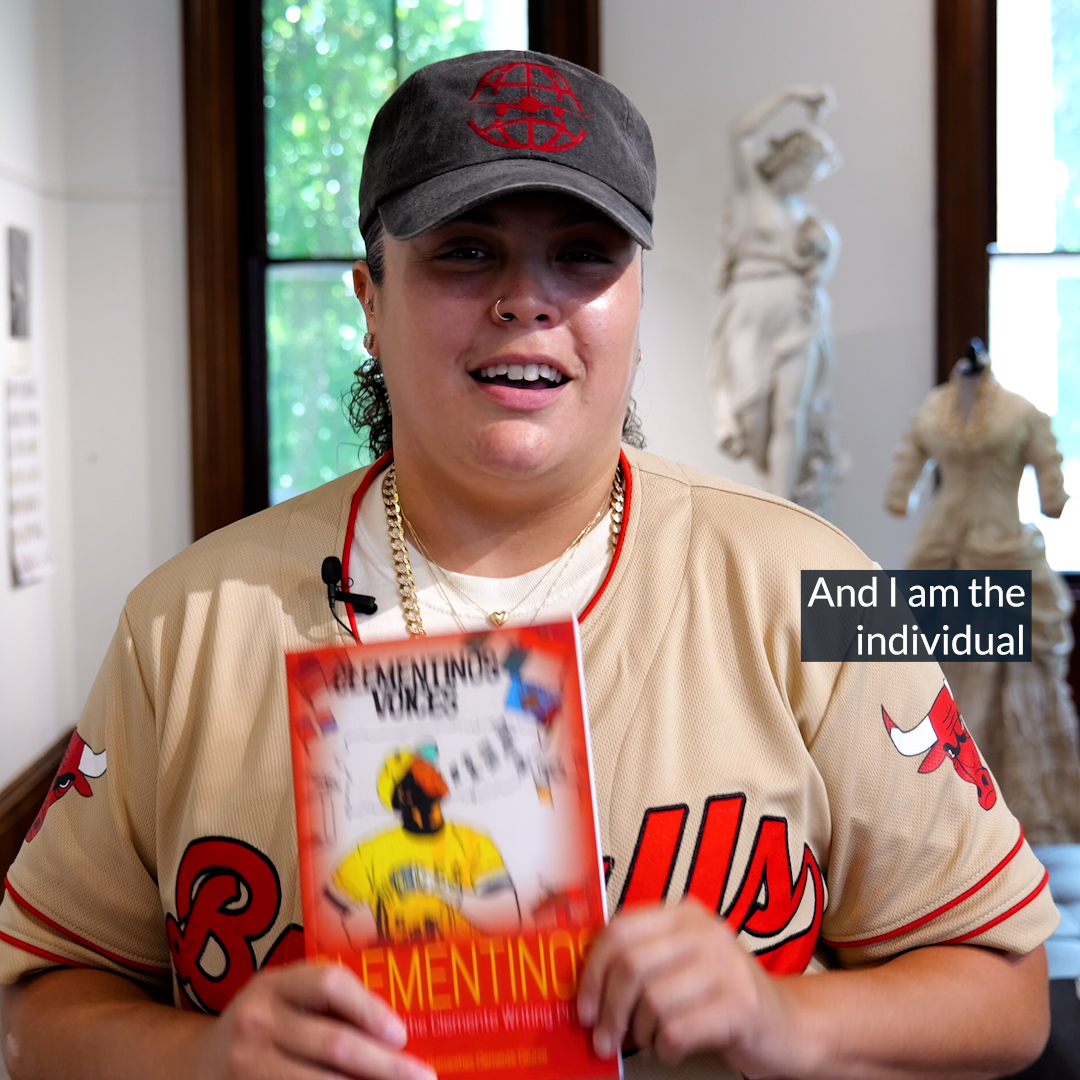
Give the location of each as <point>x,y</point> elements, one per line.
<point>449,849</point>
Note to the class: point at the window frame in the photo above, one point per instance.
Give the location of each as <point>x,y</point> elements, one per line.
<point>226,238</point>
<point>966,124</point>
<point>966,140</point>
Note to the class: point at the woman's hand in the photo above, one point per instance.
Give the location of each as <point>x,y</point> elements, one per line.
<point>820,100</point>
<point>306,1021</point>
<point>677,982</point>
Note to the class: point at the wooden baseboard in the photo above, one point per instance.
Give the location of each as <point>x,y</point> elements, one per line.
<point>22,798</point>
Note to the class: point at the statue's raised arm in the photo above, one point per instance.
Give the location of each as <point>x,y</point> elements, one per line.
<point>819,102</point>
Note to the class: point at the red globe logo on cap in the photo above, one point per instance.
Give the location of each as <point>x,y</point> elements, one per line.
<point>531,103</point>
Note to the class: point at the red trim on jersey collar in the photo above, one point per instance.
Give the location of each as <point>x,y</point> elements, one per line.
<point>350,528</point>
<point>628,487</point>
<point>906,929</point>
<point>1004,915</point>
<point>63,961</point>
<point>384,461</point>
<point>78,939</point>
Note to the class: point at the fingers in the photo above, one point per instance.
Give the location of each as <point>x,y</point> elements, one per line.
<point>823,101</point>
<point>622,933</point>
<point>343,1050</point>
<point>674,978</point>
<point>631,976</point>
<point>644,963</point>
<point>304,1022</point>
<point>670,994</point>
<point>683,1034</point>
<point>335,990</point>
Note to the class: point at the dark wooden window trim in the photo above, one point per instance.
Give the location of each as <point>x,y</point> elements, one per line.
<point>966,172</point>
<point>214,310</point>
<point>567,28</point>
<point>226,242</point>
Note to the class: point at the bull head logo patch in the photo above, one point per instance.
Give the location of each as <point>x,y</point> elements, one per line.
<point>78,767</point>
<point>941,734</point>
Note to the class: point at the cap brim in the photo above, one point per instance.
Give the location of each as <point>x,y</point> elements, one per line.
<point>443,198</point>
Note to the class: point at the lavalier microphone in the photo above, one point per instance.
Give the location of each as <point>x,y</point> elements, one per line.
<point>331,575</point>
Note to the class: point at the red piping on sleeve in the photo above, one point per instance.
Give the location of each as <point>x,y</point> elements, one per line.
<point>23,903</point>
<point>350,529</point>
<point>937,911</point>
<point>628,487</point>
<point>62,961</point>
<point>1004,915</point>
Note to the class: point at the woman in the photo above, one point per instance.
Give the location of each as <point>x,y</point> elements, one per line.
<point>513,196</point>
<point>771,356</point>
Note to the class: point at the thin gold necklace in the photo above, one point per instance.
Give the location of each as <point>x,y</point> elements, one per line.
<point>498,618</point>
<point>396,527</point>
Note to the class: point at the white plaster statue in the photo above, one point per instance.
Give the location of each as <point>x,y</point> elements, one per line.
<point>771,358</point>
<point>1021,715</point>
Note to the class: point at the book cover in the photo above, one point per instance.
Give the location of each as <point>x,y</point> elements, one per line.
<point>448,840</point>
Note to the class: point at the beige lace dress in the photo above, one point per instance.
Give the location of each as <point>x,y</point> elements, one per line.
<point>1021,715</point>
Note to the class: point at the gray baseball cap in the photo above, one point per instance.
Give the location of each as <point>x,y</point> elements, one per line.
<point>460,132</point>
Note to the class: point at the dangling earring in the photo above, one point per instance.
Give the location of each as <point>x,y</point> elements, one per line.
<point>369,337</point>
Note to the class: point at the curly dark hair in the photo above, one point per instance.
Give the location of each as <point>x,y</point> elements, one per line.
<point>367,403</point>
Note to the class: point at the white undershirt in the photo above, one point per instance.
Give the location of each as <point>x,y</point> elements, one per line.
<point>566,590</point>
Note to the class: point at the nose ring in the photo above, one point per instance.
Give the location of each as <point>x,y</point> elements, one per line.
<point>505,318</point>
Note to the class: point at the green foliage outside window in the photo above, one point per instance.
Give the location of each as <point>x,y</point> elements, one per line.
<point>327,66</point>
<point>314,343</point>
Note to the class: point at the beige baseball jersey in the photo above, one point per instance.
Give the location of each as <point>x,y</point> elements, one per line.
<point>770,790</point>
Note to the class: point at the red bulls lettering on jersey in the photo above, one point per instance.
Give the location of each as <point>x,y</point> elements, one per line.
<point>228,895</point>
<point>942,732</point>
<point>771,903</point>
<point>653,861</point>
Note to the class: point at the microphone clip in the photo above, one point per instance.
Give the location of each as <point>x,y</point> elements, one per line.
<point>331,576</point>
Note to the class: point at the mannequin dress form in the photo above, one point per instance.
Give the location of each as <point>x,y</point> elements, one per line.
<point>1022,716</point>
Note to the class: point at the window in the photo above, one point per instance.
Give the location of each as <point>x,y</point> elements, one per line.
<point>1008,149</point>
<point>327,67</point>
<point>1035,263</point>
<point>278,98</point>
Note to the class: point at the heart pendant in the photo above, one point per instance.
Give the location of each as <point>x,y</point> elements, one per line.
<point>499,617</point>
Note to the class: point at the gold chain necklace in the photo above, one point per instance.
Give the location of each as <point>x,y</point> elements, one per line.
<point>396,525</point>
<point>410,606</point>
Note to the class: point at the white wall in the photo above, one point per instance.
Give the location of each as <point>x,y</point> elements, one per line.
<point>91,164</point>
<point>37,670</point>
<point>127,304</point>
<point>691,67</point>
